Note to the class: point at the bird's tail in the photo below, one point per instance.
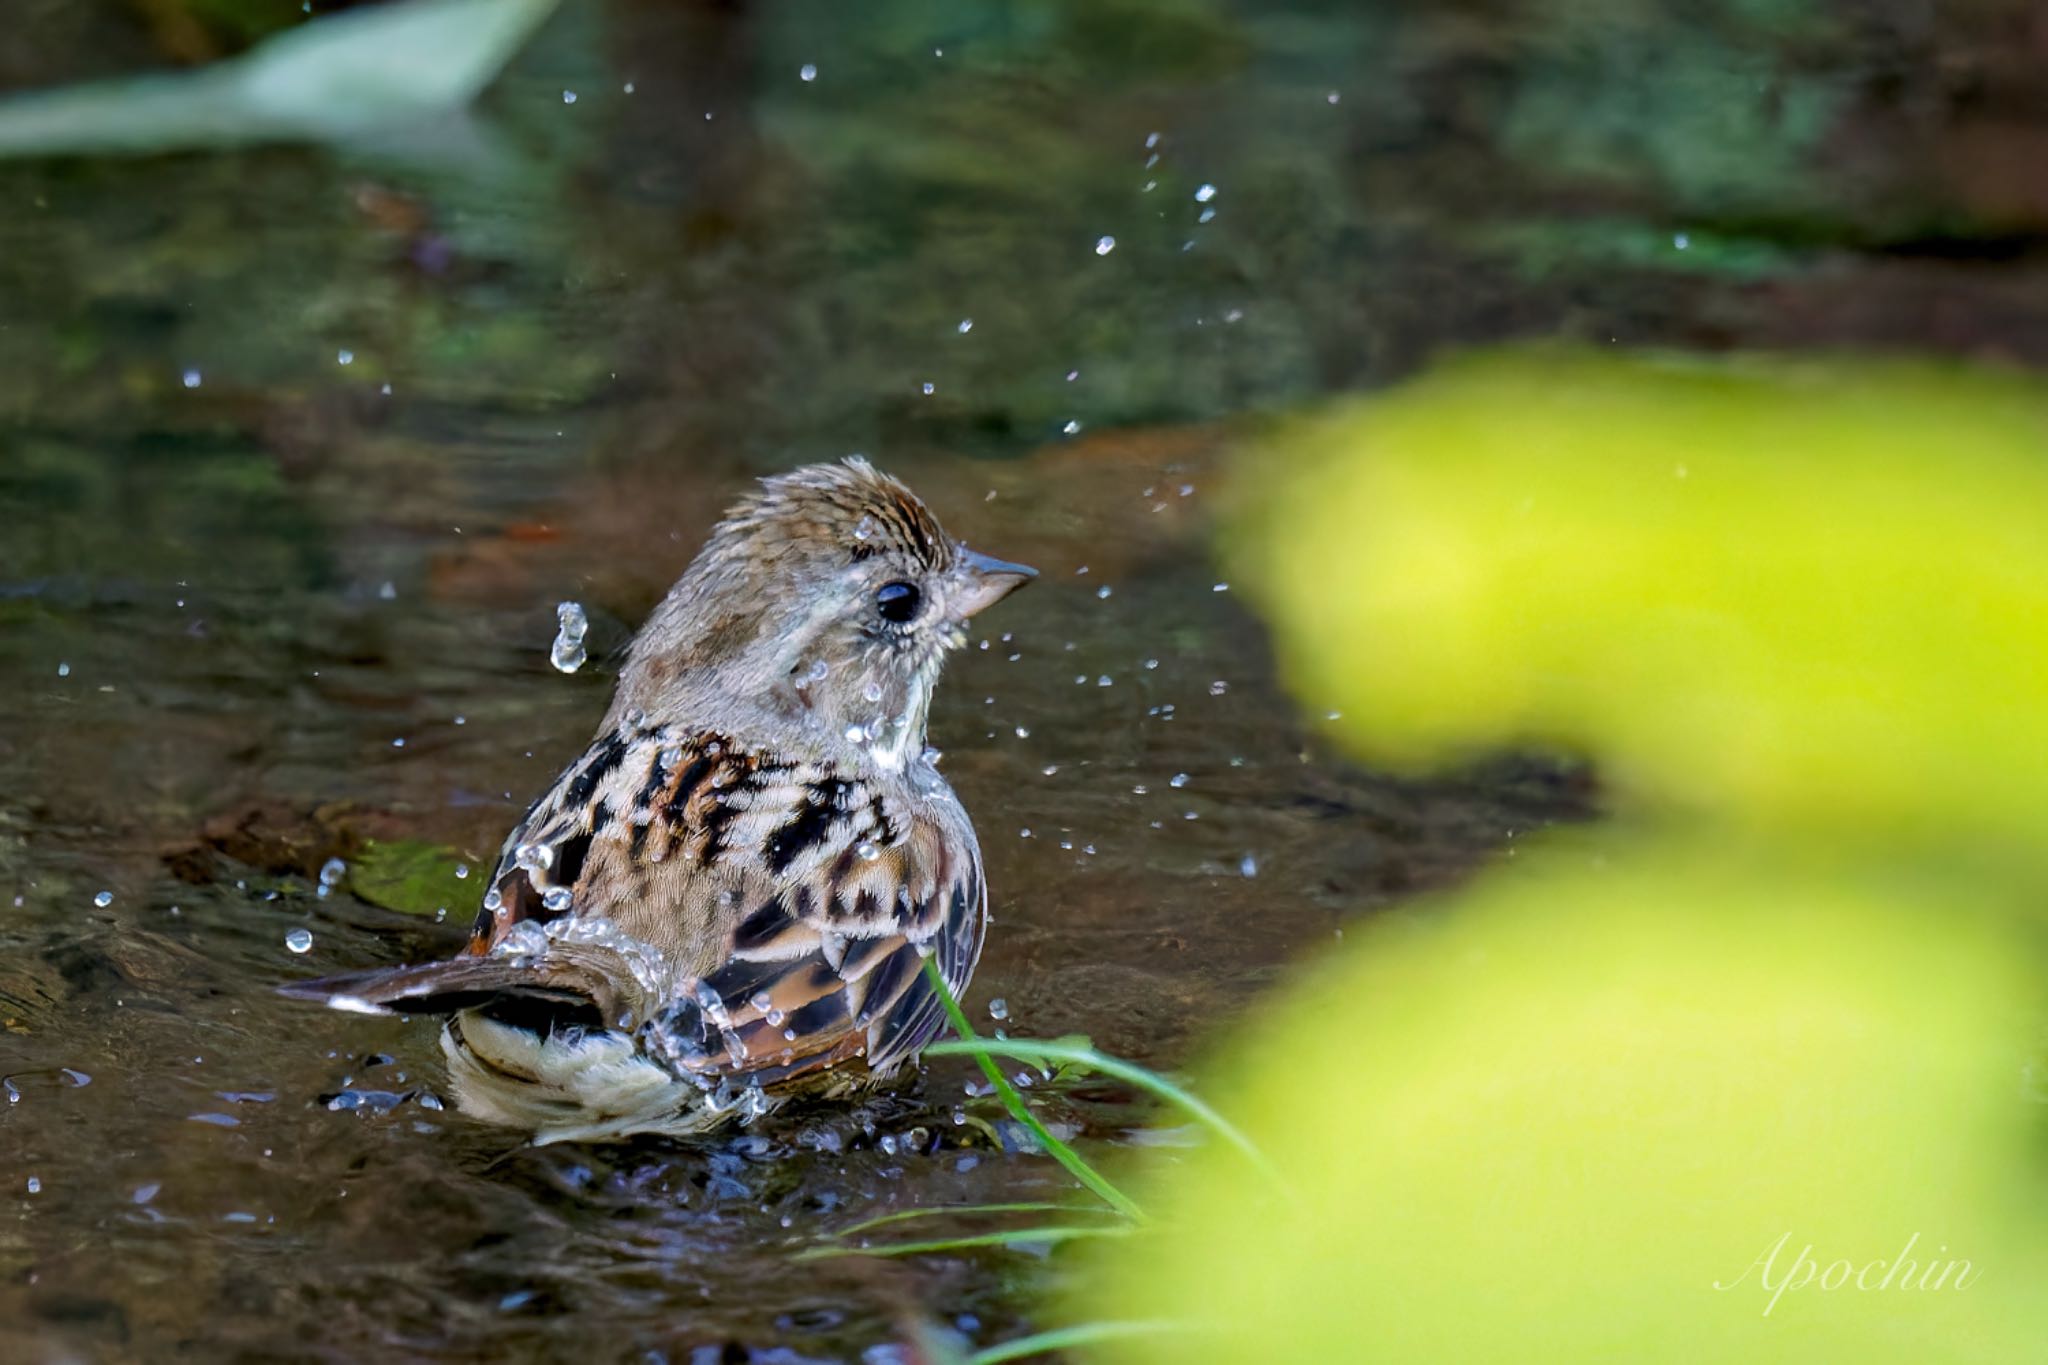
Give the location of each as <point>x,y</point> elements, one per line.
<point>543,993</point>
<point>542,1042</point>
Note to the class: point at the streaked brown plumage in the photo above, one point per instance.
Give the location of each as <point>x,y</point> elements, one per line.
<point>729,896</point>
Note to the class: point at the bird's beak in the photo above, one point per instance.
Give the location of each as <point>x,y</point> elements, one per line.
<point>987,581</point>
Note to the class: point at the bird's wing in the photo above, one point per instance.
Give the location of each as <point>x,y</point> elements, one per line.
<point>790,905</point>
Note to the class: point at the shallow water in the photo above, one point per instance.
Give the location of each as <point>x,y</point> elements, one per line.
<point>299,450</point>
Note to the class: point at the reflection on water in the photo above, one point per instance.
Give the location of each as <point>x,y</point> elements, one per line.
<point>300,451</point>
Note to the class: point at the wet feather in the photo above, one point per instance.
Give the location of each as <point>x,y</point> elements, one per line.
<point>728,897</point>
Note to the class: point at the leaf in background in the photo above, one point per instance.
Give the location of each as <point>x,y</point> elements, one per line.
<point>1637,1095</point>
<point>410,877</point>
<point>1793,593</point>
<point>1543,1123</point>
<point>356,73</point>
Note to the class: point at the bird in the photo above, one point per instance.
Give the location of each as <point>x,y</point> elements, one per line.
<point>728,899</point>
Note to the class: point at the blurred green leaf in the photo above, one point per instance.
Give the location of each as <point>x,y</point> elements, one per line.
<point>338,77</point>
<point>1699,1083</point>
<point>1545,1123</point>
<point>1794,593</point>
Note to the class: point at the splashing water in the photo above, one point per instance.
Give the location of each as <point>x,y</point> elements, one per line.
<point>568,653</point>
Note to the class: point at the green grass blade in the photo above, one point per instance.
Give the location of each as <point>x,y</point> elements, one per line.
<point>1060,1338</point>
<point>1009,1237</point>
<point>1060,1151</point>
<point>962,1211</point>
<point>1027,1050</point>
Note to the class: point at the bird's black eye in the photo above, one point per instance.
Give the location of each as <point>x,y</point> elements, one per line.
<point>897,602</point>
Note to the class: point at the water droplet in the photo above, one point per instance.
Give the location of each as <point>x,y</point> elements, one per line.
<point>344,357</point>
<point>526,939</point>
<point>1681,241</point>
<point>1248,866</point>
<point>1104,245</point>
<point>556,900</point>
<point>103,899</point>
<point>930,388</point>
<point>534,857</point>
<point>866,851</point>
<point>192,379</point>
<point>999,1008</point>
<point>1105,681</point>
<point>568,97</point>
<point>1102,591</point>
<point>1205,194</point>
<point>35,1184</point>
<point>1218,688</point>
<point>462,872</point>
<point>493,901</point>
<point>568,653</point>
<point>873,691</point>
<point>299,940</point>
<point>807,72</point>
<point>332,871</point>
<point>966,326</point>
<point>1206,216</point>
<point>1177,780</point>
<point>856,734</point>
<point>1073,427</point>
<point>63,670</point>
